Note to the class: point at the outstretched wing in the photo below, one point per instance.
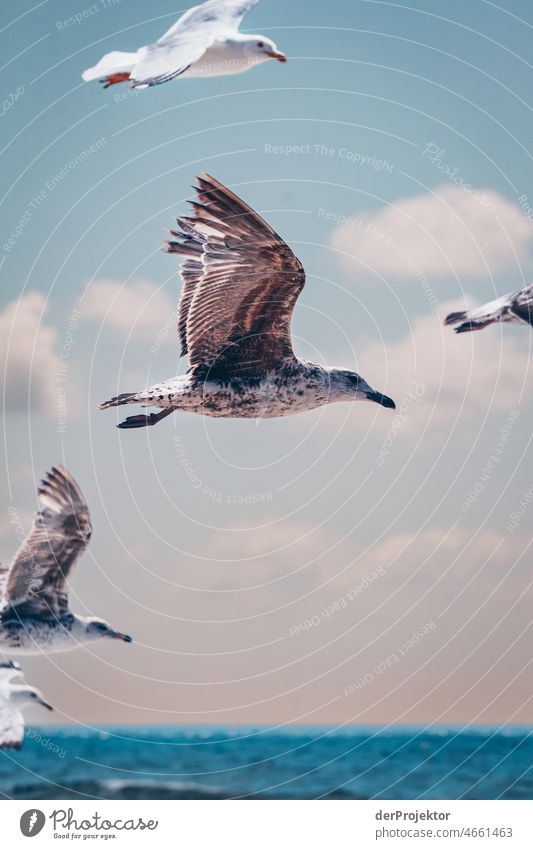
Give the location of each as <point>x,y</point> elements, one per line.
<point>11,724</point>
<point>187,40</point>
<point>35,583</point>
<point>215,16</point>
<point>240,284</point>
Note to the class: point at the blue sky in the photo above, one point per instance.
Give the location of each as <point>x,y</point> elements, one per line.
<point>214,540</point>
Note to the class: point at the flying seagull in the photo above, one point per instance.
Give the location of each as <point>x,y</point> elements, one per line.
<point>12,698</point>
<point>240,284</point>
<point>204,42</point>
<point>516,306</point>
<point>34,609</point>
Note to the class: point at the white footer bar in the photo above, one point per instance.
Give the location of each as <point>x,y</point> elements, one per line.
<point>269,824</point>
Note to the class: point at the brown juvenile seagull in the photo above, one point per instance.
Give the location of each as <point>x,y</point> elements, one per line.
<point>515,307</point>
<point>240,284</point>
<point>34,608</point>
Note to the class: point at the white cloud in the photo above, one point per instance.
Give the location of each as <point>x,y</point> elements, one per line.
<point>440,380</point>
<point>424,570</point>
<point>28,356</point>
<point>462,375</point>
<point>446,232</point>
<point>249,557</point>
<point>142,307</point>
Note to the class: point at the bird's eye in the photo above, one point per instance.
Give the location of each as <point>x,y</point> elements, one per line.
<point>260,44</point>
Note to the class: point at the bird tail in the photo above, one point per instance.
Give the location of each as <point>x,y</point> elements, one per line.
<point>114,67</point>
<point>475,319</point>
<point>119,400</point>
<point>465,323</point>
<point>455,317</point>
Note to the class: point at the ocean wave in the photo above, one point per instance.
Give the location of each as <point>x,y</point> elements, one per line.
<point>306,765</point>
<point>117,789</point>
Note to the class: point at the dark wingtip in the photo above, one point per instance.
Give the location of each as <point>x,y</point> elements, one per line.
<point>10,664</point>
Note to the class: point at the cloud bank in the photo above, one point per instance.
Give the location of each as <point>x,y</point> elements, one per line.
<point>28,360</point>
<point>447,232</point>
<point>142,307</point>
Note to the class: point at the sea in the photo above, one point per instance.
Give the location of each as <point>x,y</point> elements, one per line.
<point>270,763</point>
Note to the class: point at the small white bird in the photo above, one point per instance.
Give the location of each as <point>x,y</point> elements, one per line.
<point>240,286</point>
<point>34,609</point>
<point>12,698</point>
<point>204,42</point>
<point>514,307</point>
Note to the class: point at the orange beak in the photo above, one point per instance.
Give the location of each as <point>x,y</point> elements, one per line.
<point>279,56</point>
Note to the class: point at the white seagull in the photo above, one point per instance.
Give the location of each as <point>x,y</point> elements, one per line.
<point>34,609</point>
<point>12,698</point>
<point>204,42</point>
<point>515,306</point>
<point>240,285</point>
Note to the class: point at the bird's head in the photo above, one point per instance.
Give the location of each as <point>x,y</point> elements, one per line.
<point>30,696</point>
<point>262,48</point>
<point>347,385</point>
<point>97,630</point>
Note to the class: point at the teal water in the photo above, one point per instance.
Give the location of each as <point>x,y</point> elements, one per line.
<point>262,763</point>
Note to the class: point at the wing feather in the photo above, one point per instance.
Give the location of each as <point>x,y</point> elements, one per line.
<point>159,63</point>
<point>35,582</point>
<point>240,285</point>
<point>221,16</point>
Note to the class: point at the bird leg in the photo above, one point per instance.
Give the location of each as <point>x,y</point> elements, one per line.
<point>113,79</point>
<point>146,421</point>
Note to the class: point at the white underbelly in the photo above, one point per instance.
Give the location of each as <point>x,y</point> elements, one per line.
<point>266,400</point>
<point>35,637</point>
<point>269,403</point>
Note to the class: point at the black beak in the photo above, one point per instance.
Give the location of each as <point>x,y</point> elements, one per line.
<point>384,400</point>
<point>118,636</point>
